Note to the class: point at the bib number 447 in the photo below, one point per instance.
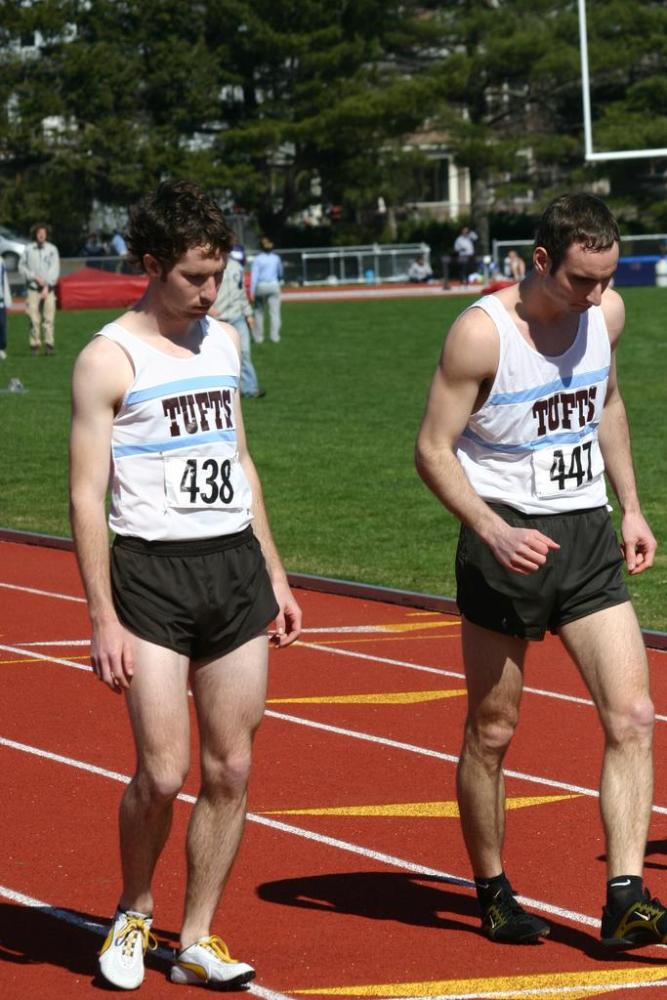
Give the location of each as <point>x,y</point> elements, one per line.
<point>566,469</point>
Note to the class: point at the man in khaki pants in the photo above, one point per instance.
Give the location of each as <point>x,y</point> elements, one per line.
<point>40,266</point>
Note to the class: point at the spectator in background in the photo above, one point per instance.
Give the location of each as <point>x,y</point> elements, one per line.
<point>93,247</point>
<point>266,275</point>
<point>5,303</point>
<point>117,244</point>
<point>232,306</point>
<point>40,266</point>
<point>420,270</point>
<point>118,248</point>
<point>516,266</point>
<point>464,248</point>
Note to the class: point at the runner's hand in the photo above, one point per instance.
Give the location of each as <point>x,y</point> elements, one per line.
<point>288,619</point>
<point>638,545</point>
<point>522,550</point>
<point>111,655</point>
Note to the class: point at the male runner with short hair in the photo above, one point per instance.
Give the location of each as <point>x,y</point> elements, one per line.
<point>523,419</point>
<point>195,578</point>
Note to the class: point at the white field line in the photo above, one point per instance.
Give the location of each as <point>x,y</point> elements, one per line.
<point>165,955</point>
<point>40,656</point>
<point>573,699</point>
<point>69,917</point>
<point>312,645</point>
<point>296,831</point>
<point>43,593</point>
<point>371,738</point>
<point>437,754</point>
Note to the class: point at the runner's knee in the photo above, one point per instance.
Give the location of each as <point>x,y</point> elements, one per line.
<point>631,721</point>
<point>160,784</point>
<point>227,774</point>
<point>491,735</point>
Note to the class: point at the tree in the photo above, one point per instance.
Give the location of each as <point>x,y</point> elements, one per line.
<point>257,100</point>
<point>275,103</point>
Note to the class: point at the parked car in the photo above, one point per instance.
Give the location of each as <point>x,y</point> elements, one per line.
<point>11,247</point>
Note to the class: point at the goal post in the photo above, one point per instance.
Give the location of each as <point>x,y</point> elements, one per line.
<point>590,155</point>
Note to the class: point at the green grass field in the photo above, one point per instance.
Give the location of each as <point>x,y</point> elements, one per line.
<point>333,439</point>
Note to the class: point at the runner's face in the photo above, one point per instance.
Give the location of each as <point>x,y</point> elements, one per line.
<point>191,287</point>
<point>582,277</point>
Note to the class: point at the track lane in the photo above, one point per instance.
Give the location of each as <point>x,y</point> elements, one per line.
<point>320,896</point>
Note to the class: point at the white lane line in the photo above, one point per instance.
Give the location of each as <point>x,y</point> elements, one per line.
<point>70,917</point>
<point>370,738</point>
<point>43,593</point>
<point>297,831</point>
<point>57,642</point>
<point>438,754</point>
<point>40,656</point>
<point>574,699</point>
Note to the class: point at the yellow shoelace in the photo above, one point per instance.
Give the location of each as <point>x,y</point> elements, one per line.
<point>132,926</point>
<point>218,947</point>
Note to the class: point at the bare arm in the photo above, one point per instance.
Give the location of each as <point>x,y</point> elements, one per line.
<point>288,619</point>
<point>96,386</point>
<point>469,360</point>
<point>639,545</point>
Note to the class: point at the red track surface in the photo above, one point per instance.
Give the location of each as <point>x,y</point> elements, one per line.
<point>360,903</point>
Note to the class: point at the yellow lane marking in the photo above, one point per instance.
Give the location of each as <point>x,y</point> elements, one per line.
<point>379,638</point>
<point>422,614</point>
<point>438,810</point>
<point>565,985</point>
<point>418,626</point>
<point>387,698</point>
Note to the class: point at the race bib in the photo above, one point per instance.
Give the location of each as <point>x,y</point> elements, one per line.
<point>565,469</point>
<point>204,483</point>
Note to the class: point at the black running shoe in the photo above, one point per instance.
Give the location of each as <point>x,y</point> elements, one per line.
<point>505,921</point>
<point>644,922</point>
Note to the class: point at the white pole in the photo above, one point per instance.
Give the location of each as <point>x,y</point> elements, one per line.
<point>585,80</point>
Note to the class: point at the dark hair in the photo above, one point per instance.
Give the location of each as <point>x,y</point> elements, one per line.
<point>575,218</point>
<point>34,229</point>
<point>173,219</point>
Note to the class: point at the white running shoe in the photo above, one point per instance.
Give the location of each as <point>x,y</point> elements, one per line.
<point>121,958</point>
<point>207,962</point>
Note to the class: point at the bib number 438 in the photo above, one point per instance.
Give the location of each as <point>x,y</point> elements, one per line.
<point>207,481</point>
<point>201,483</point>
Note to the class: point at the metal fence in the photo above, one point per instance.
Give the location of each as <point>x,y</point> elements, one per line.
<point>355,265</point>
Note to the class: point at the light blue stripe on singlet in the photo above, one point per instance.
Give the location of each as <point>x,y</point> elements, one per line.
<point>183,385</point>
<point>571,437</point>
<point>524,395</point>
<point>186,441</point>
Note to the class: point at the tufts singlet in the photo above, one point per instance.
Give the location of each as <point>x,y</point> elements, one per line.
<point>175,469</point>
<point>534,443</point>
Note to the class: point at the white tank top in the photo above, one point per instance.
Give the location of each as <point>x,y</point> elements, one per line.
<point>534,442</point>
<point>175,471</point>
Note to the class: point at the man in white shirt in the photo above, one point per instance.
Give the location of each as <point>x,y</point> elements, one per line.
<point>40,266</point>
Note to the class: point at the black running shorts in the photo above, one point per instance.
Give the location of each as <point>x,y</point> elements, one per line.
<point>583,576</point>
<point>201,598</point>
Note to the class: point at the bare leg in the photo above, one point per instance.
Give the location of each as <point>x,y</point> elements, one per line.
<point>229,695</point>
<point>494,676</point>
<point>158,707</point>
<point>608,649</point>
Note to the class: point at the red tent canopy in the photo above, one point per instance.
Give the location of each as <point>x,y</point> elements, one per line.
<point>93,288</point>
